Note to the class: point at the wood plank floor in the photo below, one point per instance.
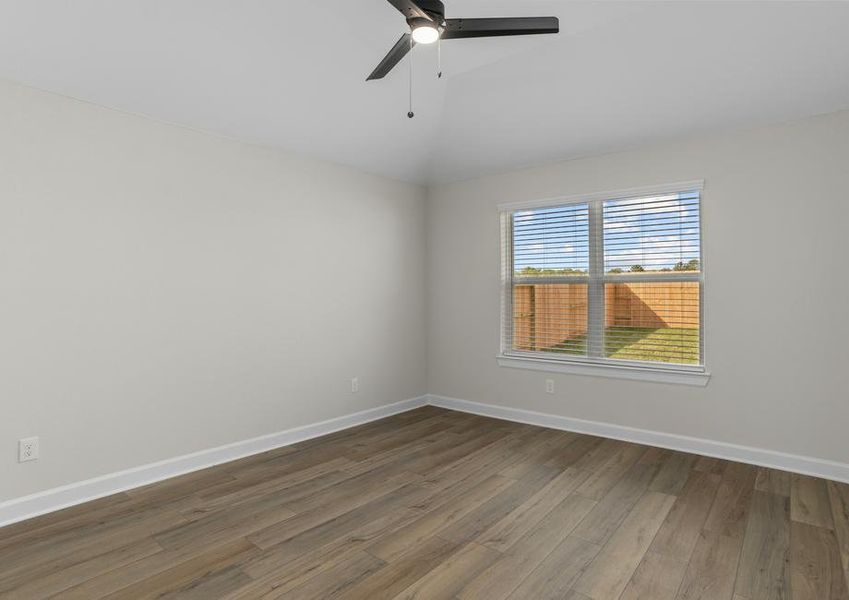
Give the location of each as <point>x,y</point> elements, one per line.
<point>437,504</point>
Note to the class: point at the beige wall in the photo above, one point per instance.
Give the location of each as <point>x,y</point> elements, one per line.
<point>776,238</point>
<point>164,291</point>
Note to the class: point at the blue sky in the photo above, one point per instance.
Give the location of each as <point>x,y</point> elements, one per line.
<point>654,232</point>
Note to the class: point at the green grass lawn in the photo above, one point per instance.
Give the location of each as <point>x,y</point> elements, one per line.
<point>668,344</point>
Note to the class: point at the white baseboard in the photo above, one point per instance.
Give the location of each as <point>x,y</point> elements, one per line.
<point>20,509</point>
<point>756,456</point>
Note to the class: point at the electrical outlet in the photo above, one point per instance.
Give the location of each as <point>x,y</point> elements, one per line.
<point>28,449</point>
<point>549,386</point>
<point>355,385</point>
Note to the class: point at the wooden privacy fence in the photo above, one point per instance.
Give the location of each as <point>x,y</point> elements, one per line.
<point>546,315</point>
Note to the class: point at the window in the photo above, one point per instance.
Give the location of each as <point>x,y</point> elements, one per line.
<point>606,281</point>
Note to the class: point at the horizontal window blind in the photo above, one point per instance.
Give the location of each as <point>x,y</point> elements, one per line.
<point>608,280</point>
<point>551,241</point>
<point>550,267</point>
<point>659,234</point>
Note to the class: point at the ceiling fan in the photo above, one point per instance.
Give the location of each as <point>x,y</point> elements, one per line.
<point>428,24</point>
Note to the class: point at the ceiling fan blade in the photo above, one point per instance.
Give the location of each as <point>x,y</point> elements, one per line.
<point>399,51</point>
<point>498,26</point>
<point>410,9</point>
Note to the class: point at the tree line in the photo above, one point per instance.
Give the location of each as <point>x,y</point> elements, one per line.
<point>690,265</point>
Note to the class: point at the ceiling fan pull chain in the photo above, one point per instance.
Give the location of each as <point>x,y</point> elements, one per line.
<point>411,114</point>
<point>439,58</point>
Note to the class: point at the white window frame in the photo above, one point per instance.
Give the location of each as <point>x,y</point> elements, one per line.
<point>589,365</point>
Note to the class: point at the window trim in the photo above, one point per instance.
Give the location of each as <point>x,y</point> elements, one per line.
<point>623,194</point>
<point>589,365</point>
<point>681,376</point>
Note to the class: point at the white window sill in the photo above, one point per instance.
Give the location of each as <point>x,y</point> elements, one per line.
<point>640,373</point>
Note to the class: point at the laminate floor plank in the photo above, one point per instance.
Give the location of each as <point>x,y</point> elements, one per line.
<point>609,572</point>
<point>839,496</point>
<point>52,524</point>
<point>594,459</point>
<point>662,570</point>
<point>401,574</point>
<point>673,473</point>
<point>109,582</point>
<point>270,476</point>
<point>763,573</point>
<point>816,571</point>
<point>203,505</point>
<point>317,530</point>
<point>56,580</point>
<point>537,450</point>
<point>773,481</point>
<point>280,569</point>
<point>712,570</point>
<point>556,574</point>
<point>603,477</point>
<point>333,583</point>
<point>571,454</point>
<point>422,446</point>
<point>451,575</point>
<point>658,577</point>
<point>809,501</point>
<point>528,552</point>
<point>612,509</point>
<point>503,534</point>
<point>678,535</point>
<point>435,427</point>
<point>434,504</point>
<point>493,510</point>
<point>182,577</point>
<point>493,459</point>
<point>67,549</point>
<point>444,516</point>
<point>709,464</point>
<point>540,449</point>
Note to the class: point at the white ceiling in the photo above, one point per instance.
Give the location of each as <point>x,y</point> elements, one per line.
<point>291,74</point>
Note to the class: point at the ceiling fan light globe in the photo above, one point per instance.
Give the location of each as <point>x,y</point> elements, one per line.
<point>425,34</point>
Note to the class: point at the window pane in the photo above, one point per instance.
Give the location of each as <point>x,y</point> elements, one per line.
<point>656,234</point>
<point>551,241</point>
<point>653,322</point>
<point>550,318</point>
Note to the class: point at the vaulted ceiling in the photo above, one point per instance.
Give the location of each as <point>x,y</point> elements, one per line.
<point>291,74</point>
